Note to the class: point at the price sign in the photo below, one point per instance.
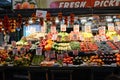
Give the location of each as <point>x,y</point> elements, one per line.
<point>63,27</point>
<point>60,56</point>
<point>54,36</point>
<point>102,30</point>
<point>111,27</point>
<point>117,26</point>
<point>38,51</point>
<point>103,38</point>
<point>15,51</point>
<point>115,39</point>
<point>118,23</point>
<point>13,43</point>
<point>22,50</point>
<point>81,38</point>
<point>87,28</point>
<point>47,54</point>
<point>76,28</point>
<point>43,29</point>
<point>52,55</point>
<point>53,29</point>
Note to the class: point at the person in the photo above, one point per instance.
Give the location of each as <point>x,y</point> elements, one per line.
<point>7,38</point>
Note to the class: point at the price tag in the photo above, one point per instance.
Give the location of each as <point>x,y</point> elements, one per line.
<point>118,23</point>
<point>15,51</point>
<point>60,56</point>
<point>111,27</point>
<point>87,28</point>
<point>117,26</point>
<point>103,38</point>
<point>53,29</point>
<point>38,51</point>
<point>81,38</point>
<point>22,50</point>
<point>47,54</point>
<point>43,29</point>
<point>63,27</point>
<point>76,28</point>
<point>115,39</point>
<point>75,36</point>
<point>54,37</point>
<point>13,43</point>
<point>75,52</point>
<point>52,55</point>
<point>102,30</point>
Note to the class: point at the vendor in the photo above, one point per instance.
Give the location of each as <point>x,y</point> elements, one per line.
<point>7,38</point>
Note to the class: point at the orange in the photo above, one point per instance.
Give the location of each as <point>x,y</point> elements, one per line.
<point>25,5</point>
<point>32,6</point>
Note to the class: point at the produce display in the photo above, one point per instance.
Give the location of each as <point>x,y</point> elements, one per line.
<point>64,49</point>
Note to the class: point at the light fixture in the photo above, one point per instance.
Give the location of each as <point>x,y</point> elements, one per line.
<point>83,20</point>
<point>2,29</point>
<point>38,20</point>
<point>56,20</point>
<point>109,19</point>
<point>30,21</point>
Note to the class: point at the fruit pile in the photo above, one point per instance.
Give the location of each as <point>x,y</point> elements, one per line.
<point>117,44</point>
<point>95,60</point>
<point>107,57</point>
<point>3,56</point>
<point>103,46</point>
<point>68,60</point>
<point>117,58</point>
<point>63,37</point>
<point>75,45</point>
<point>48,45</point>
<point>61,46</point>
<point>112,46</point>
<point>88,46</point>
<point>24,5</point>
<point>77,60</point>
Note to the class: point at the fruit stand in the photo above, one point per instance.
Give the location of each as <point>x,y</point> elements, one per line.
<point>61,44</point>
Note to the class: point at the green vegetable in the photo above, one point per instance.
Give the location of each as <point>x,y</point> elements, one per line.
<point>75,45</point>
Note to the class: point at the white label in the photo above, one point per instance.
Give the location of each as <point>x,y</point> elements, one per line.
<point>102,30</point>
<point>53,29</point>
<point>15,51</point>
<point>63,27</point>
<point>54,37</point>
<point>38,51</point>
<point>87,28</point>
<point>40,13</point>
<point>43,29</point>
<point>76,28</point>
<point>111,27</point>
<point>115,39</point>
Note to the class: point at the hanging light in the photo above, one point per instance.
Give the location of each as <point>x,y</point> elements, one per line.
<point>56,20</point>
<point>30,21</point>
